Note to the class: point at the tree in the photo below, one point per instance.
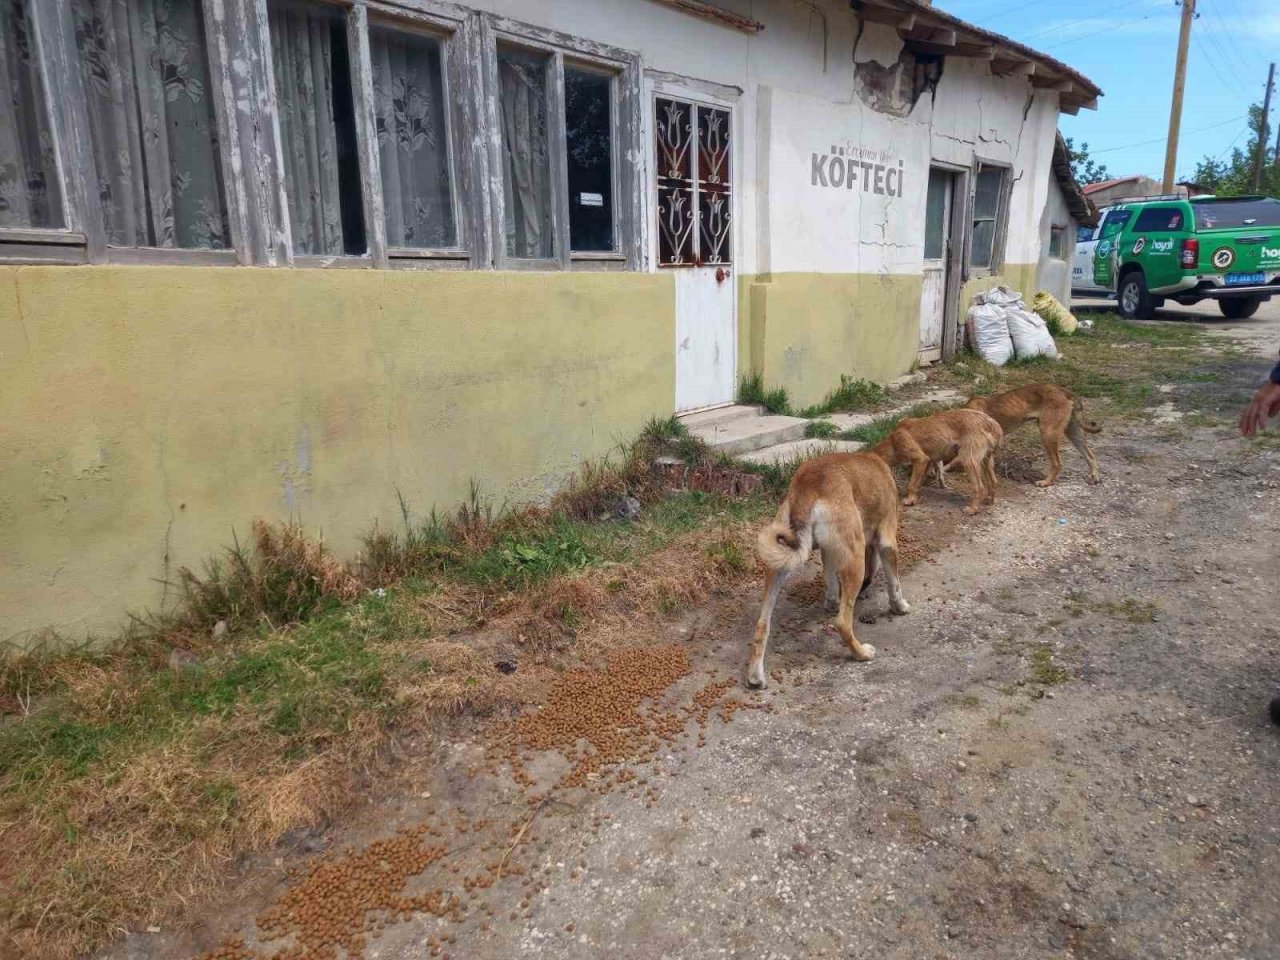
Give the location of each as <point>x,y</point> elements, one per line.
<point>1084,168</point>
<point>1232,175</point>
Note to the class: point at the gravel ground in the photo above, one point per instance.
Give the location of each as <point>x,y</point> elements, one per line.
<point>1063,751</point>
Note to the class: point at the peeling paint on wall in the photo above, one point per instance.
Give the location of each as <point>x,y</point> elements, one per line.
<point>897,88</point>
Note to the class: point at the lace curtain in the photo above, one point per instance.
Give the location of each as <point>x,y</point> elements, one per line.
<point>151,122</point>
<point>526,172</point>
<point>29,189</point>
<point>412,141</point>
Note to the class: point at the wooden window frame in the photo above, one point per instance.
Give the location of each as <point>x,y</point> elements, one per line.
<point>625,121</point>
<point>249,150</point>
<point>1000,236</point>
<point>1062,230</point>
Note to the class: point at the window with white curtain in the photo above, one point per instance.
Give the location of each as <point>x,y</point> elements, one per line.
<point>30,192</point>
<point>413,137</point>
<point>312,72</point>
<point>145,70</point>
<point>523,110</point>
<point>320,132</point>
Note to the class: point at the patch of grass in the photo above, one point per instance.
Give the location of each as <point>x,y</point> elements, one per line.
<point>821,429</point>
<point>518,560</point>
<point>1134,611</point>
<point>1044,670</point>
<point>752,391</point>
<point>969,701</point>
<point>852,394</point>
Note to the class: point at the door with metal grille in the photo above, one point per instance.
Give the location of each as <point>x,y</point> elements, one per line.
<point>693,144</point>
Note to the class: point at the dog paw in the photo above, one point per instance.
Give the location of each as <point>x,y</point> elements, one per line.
<point>831,606</point>
<point>901,608</point>
<point>909,501</point>
<point>1095,479</point>
<point>868,653</point>
<point>970,511</point>
<point>755,679</point>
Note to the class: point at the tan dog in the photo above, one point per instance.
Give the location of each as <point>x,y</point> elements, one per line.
<point>846,504</point>
<point>968,436</point>
<point>1059,411</point>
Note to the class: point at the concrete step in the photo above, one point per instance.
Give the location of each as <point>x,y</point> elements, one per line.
<point>800,449</point>
<point>711,418</point>
<point>848,421</point>
<point>736,437</point>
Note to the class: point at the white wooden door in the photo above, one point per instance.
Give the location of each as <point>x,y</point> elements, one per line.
<point>937,234</point>
<point>693,202</point>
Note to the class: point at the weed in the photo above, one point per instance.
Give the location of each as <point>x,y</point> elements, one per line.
<point>728,555</point>
<point>821,429</point>
<point>751,390</point>
<point>520,560</point>
<point>1043,669</point>
<point>969,701</point>
<point>852,394</point>
<point>1134,611</point>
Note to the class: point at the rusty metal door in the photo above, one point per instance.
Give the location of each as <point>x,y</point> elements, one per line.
<point>694,204</point>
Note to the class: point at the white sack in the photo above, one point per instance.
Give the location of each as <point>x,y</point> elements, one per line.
<point>1030,334</point>
<point>989,332</point>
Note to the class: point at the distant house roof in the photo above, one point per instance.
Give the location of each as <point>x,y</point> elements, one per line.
<point>1113,182</point>
<point>927,28</point>
<point>1079,205</point>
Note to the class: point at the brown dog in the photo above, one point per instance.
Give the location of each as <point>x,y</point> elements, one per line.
<point>846,504</point>
<point>969,436</point>
<point>1059,411</point>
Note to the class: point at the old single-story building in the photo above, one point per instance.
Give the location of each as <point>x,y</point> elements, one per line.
<point>1067,210</point>
<point>1106,192</point>
<point>273,258</point>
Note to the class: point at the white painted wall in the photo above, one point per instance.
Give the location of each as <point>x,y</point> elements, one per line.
<point>1055,275</point>
<point>798,98</point>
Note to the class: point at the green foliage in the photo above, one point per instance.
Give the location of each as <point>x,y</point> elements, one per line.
<point>821,429</point>
<point>852,394</point>
<point>1230,174</point>
<point>1083,167</point>
<point>751,390</point>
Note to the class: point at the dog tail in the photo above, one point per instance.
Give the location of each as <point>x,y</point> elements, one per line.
<point>1090,426</point>
<point>785,543</point>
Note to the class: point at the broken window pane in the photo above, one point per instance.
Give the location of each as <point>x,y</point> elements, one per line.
<point>986,210</point>
<point>413,142</point>
<point>145,69</point>
<point>588,107</point>
<point>317,127</point>
<point>526,162</point>
<point>986,200</point>
<point>30,194</point>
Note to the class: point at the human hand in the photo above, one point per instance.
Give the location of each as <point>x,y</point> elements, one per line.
<point>1264,405</point>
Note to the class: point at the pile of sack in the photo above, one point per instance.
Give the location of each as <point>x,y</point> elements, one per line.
<point>1001,327</point>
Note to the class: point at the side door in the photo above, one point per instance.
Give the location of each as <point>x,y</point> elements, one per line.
<point>1082,259</point>
<point>1104,254</point>
<point>693,202</point>
<point>1155,242</point>
<point>937,242</point>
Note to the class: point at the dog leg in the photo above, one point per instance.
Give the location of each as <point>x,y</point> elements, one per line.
<point>1050,438</point>
<point>755,678</point>
<point>888,554</point>
<point>973,469</point>
<point>939,470</point>
<point>989,472</point>
<point>1075,433</point>
<point>831,573</point>
<point>850,577</point>
<point>919,465</point>
<point>869,570</point>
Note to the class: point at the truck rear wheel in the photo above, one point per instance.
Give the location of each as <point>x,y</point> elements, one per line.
<point>1239,308</point>
<point>1135,300</point>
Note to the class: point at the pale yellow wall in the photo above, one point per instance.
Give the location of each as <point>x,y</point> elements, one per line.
<point>803,330</point>
<point>1020,277</point>
<point>145,413</point>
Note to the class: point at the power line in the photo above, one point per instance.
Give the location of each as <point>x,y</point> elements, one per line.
<point>1063,24</point>
<point>1227,31</point>
<point>1147,143</point>
<point>1222,51</point>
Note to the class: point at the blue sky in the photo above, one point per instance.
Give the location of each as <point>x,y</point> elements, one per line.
<point>1127,48</point>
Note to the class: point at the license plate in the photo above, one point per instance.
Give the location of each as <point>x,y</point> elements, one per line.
<point>1244,279</point>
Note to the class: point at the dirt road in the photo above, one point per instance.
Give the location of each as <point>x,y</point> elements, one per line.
<point>1062,751</point>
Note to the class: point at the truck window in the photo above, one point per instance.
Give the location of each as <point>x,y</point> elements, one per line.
<point>1114,223</point>
<point>1084,234</point>
<point>1216,214</point>
<point>1158,220</point>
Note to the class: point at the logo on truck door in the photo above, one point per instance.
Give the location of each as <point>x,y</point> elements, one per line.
<point>1139,245</point>
<point>1224,257</point>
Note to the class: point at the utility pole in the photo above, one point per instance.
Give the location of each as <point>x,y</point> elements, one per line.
<point>1179,83</point>
<point>1260,154</point>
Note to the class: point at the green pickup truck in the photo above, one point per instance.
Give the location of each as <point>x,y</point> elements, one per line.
<point>1187,250</point>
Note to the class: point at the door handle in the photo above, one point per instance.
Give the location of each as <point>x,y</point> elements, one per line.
<point>721,274</point>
